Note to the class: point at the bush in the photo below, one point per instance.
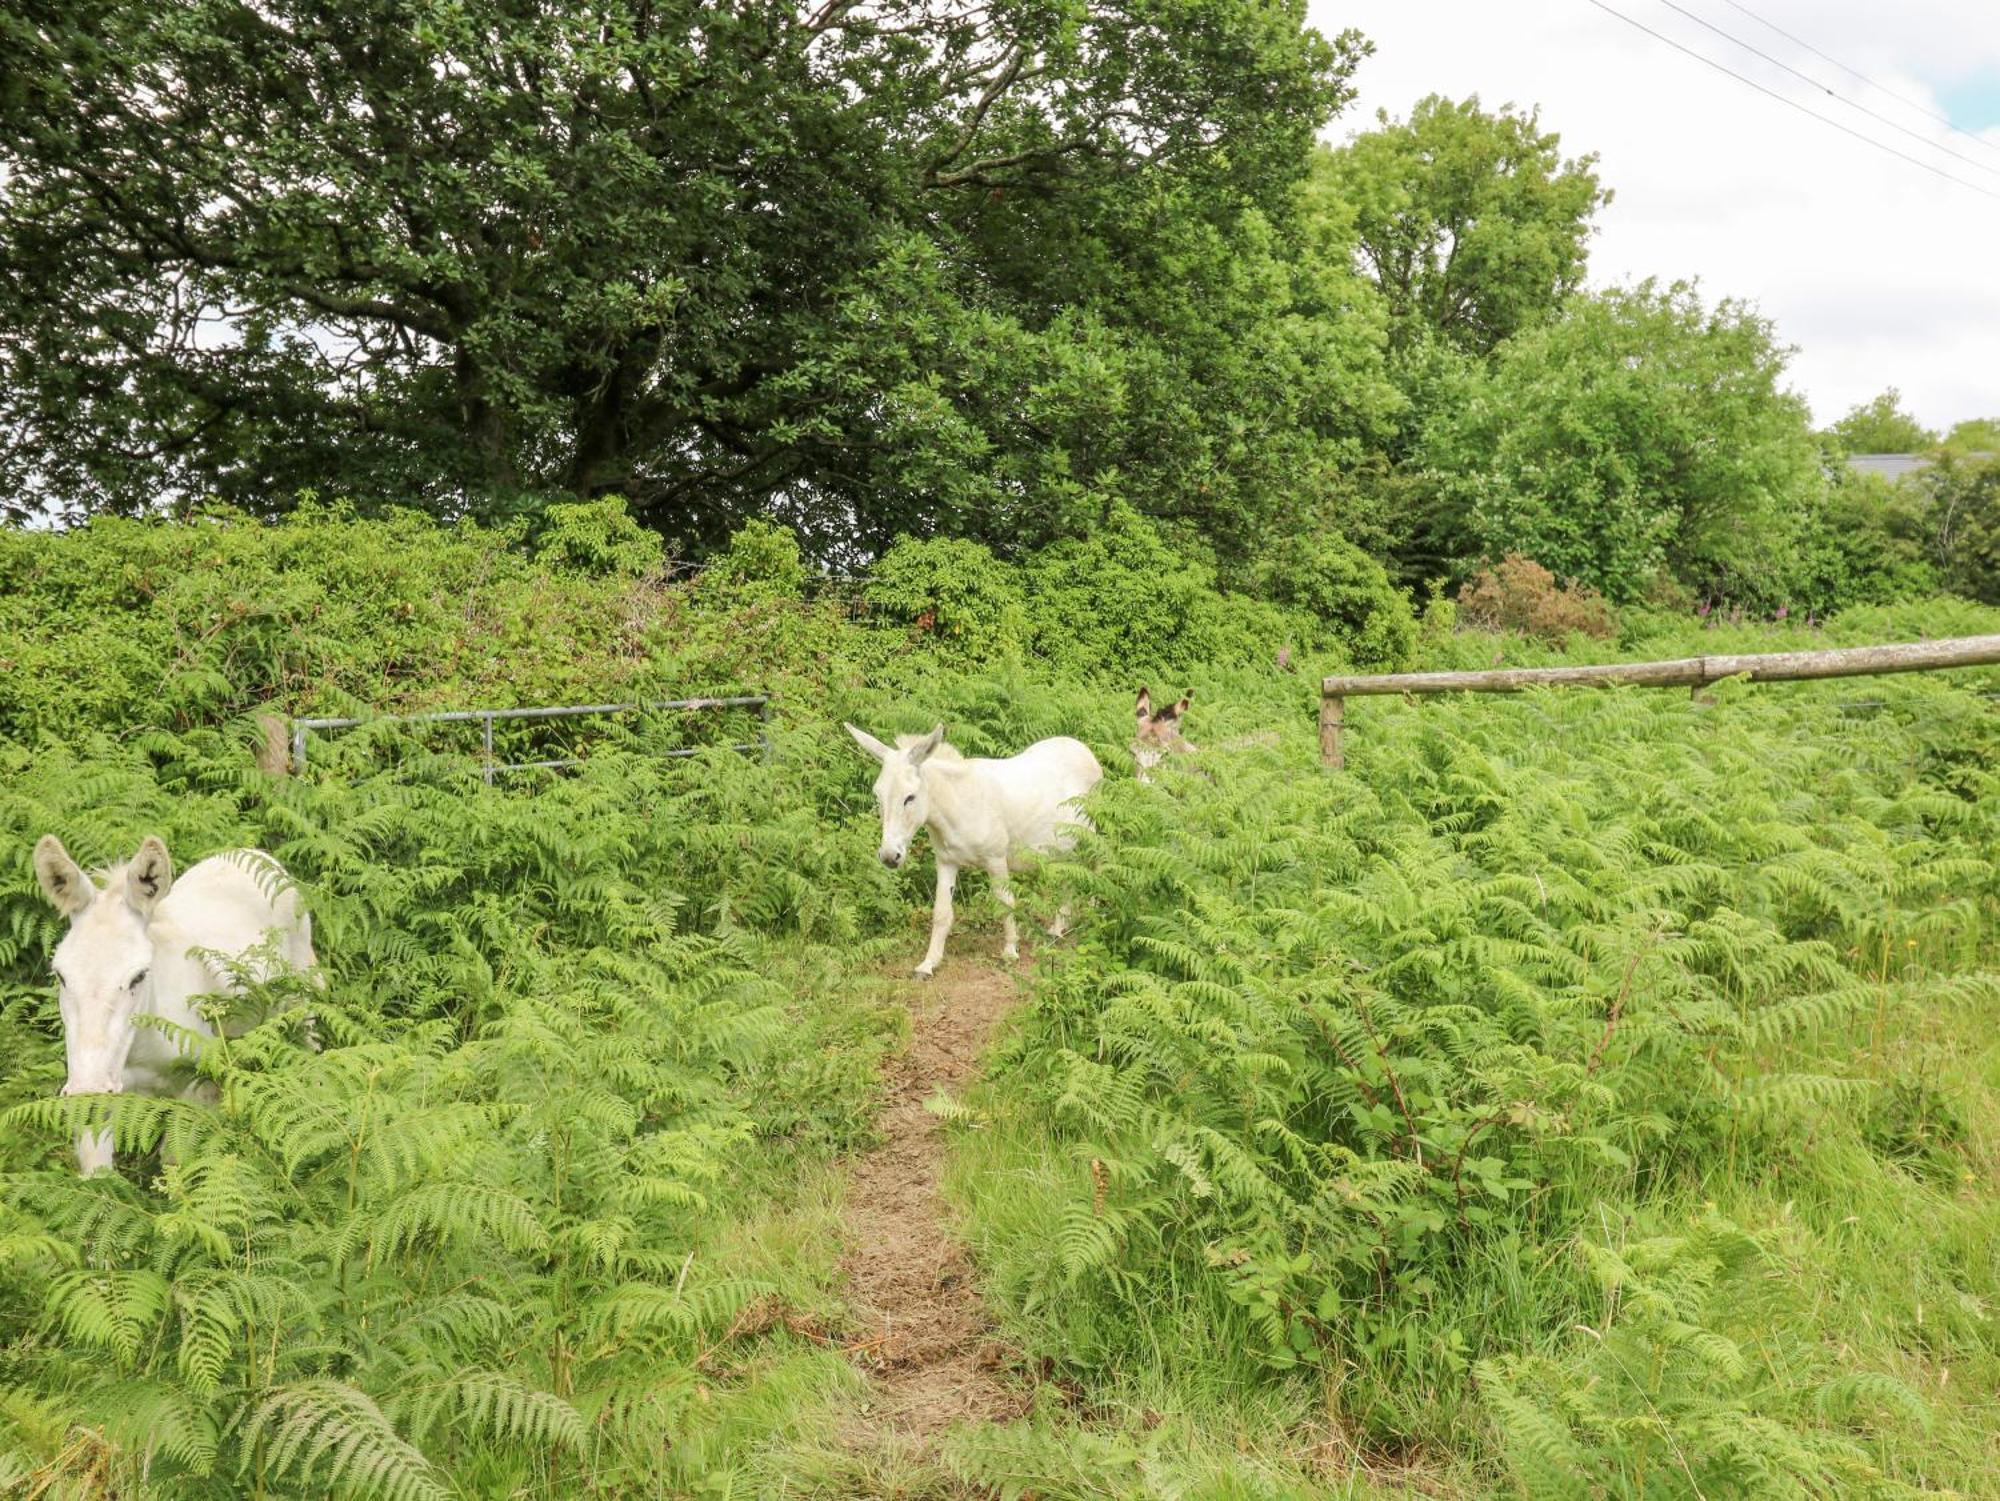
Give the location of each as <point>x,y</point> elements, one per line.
<point>1863,545</point>
<point>761,563</point>
<point>1964,523</point>
<point>1521,595</point>
<point>123,624</point>
<point>1329,579</point>
<point>952,590</point>
<point>1124,601</point>
<point>598,537</point>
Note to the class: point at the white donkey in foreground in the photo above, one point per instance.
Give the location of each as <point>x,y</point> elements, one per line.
<point>132,951</point>
<point>981,812</point>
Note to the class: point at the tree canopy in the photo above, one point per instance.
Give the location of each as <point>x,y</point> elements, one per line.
<point>1640,432</point>
<point>1882,426</point>
<point>927,269</point>
<point>1470,222</point>
<point>716,260</point>
<point>1975,435</point>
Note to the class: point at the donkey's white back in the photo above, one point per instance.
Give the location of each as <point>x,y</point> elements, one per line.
<point>1039,789</point>
<point>232,903</point>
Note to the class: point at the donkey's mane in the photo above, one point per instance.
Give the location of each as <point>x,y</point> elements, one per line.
<point>944,752</point>
<point>110,880</point>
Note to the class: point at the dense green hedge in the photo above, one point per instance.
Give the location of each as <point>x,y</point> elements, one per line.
<point>123,624</point>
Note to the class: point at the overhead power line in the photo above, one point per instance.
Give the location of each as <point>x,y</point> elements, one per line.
<point>1830,93</point>
<point>1852,72</point>
<point>1699,57</point>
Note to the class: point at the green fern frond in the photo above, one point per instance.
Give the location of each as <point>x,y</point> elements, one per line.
<point>326,1434</point>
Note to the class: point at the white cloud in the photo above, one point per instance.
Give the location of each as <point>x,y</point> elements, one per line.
<point>1881,274</point>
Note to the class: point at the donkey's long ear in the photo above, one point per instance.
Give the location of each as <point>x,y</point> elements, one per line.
<point>920,752</point>
<point>1182,707</point>
<point>63,882</point>
<point>1144,708</point>
<point>149,877</point>
<point>869,743</point>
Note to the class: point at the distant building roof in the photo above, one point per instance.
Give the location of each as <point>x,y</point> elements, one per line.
<point>1888,465</point>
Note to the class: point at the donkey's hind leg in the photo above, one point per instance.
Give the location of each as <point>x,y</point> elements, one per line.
<point>1010,944</point>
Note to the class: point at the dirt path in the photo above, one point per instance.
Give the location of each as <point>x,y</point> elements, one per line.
<point>920,1327</point>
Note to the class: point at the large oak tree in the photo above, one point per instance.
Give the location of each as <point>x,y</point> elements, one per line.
<point>921,263</point>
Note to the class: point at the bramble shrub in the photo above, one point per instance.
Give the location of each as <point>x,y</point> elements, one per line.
<point>762,562</point>
<point>128,623</point>
<point>124,623</point>
<point>1124,602</point>
<point>597,537</point>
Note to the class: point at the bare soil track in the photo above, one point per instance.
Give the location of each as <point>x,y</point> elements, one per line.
<point>920,1327</point>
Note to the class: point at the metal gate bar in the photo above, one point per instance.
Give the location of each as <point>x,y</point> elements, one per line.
<point>489,769</point>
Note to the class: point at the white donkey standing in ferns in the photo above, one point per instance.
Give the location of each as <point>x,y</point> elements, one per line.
<point>146,945</point>
<point>981,813</point>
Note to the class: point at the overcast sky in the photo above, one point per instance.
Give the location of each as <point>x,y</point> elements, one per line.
<point>1879,272</point>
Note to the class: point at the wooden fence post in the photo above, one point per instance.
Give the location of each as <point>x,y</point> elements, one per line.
<point>1332,716</point>
<point>274,751</point>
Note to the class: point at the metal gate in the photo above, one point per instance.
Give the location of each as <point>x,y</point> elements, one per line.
<point>302,729</point>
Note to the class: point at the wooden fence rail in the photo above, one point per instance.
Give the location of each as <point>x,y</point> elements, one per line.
<point>1683,672</point>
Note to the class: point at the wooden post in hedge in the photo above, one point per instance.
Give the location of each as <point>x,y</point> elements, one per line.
<point>274,747</point>
<point>1682,672</point>
<point>1332,716</point>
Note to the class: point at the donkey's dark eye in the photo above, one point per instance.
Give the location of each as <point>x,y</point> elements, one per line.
<point>138,979</point>
<point>910,799</point>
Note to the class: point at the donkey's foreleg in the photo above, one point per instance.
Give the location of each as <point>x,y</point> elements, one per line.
<point>93,1152</point>
<point>1010,945</point>
<point>940,920</point>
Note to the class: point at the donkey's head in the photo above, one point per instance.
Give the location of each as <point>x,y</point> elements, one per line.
<point>900,793</point>
<point>1158,734</point>
<point>103,965</point>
